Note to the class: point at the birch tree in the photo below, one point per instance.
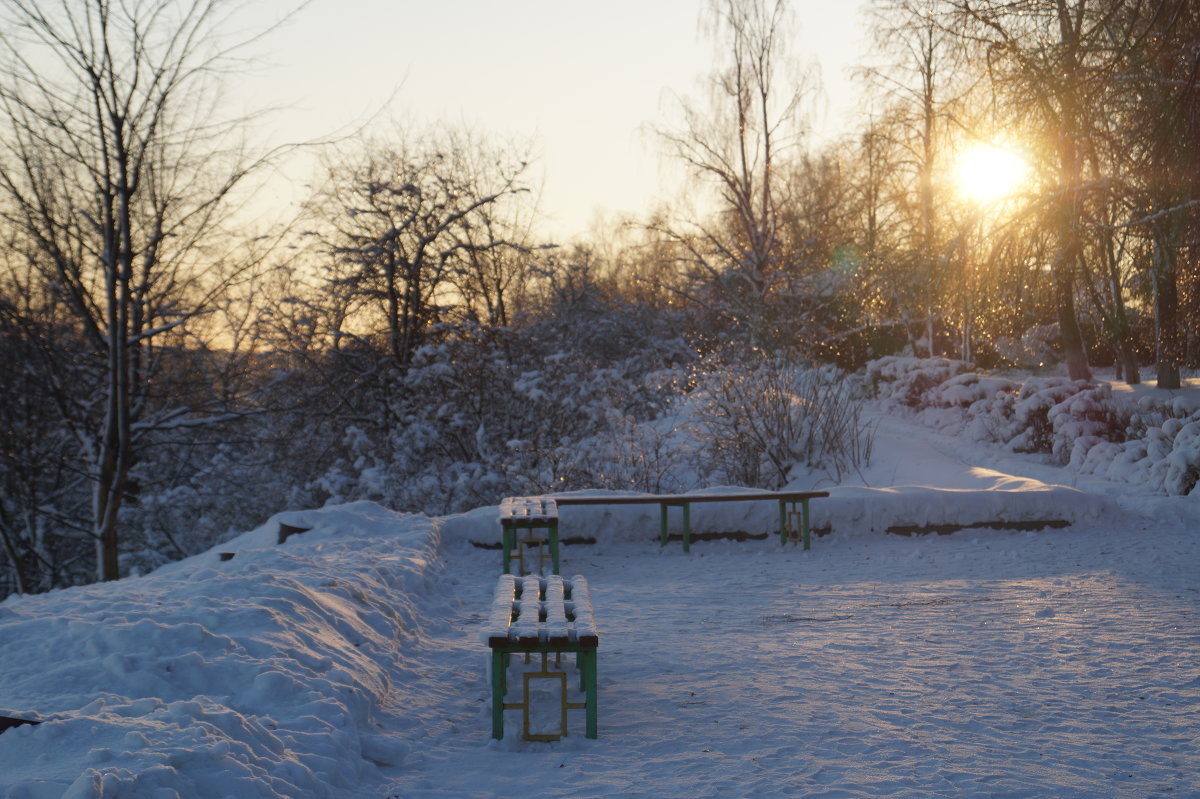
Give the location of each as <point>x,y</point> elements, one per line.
<point>116,171</point>
<point>736,143</point>
<point>921,79</point>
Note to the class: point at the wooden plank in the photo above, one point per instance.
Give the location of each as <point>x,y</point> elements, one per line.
<point>497,631</point>
<point>8,722</point>
<point>527,629</point>
<point>585,632</point>
<point>544,617</point>
<point>680,499</point>
<point>947,529</point>
<point>557,630</point>
<point>286,531</point>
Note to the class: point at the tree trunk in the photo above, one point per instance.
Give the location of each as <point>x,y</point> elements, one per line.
<point>1168,341</point>
<point>1068,323</point>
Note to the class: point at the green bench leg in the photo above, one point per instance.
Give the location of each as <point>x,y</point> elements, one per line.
<point>499,689</point>
<point>508,539</point>
<point>805,524</point>
<point>553,528</point>
<point>664,509</point>
<point>687,527</point>
<point>587,660</point>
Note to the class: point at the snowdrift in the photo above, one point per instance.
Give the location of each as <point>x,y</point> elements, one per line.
<point>263,675</point>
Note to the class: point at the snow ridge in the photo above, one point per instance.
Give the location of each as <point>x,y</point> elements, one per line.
<point>259,676</point>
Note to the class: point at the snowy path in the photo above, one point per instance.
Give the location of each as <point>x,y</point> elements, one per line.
<point>983,664</point>
<point>902,455</point>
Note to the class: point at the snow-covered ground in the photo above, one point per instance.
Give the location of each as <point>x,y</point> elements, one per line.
<point>347,663</point>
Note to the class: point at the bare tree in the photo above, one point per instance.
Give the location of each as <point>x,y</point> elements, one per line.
<point>922,81</point>
<point>116,170</point>
<point>403,219</point>
<point>1160,102</point>
<point>1046,59</point>
<point>1069,69</point>
<point>735,142</point>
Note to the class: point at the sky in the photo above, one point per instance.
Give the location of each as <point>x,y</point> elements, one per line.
<point>580,84</point>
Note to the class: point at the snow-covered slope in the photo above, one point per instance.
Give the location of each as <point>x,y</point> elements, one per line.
<point>263,675</point>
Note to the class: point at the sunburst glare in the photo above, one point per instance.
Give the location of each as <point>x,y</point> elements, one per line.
<point>988,172</point>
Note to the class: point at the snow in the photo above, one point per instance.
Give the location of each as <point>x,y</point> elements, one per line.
<point>542,611</point>
<point>347,662</point>
<point>527,628</point>
<point>264,675</point>
<point>556,609</point>
<point>500,617</point>
<point>585,629</point>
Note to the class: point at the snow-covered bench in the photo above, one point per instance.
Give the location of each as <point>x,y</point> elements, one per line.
<point>542,615</point>
<point>528,513</point>
<point>684,501</point>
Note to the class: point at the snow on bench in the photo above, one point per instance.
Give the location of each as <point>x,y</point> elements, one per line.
<point>534,610</point>
<point>542,614</point>
<point>528,513</point>
<point>521,511</point>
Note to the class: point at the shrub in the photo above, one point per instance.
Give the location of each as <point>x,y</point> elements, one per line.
<point>758,420</point>
<point>904,381</point>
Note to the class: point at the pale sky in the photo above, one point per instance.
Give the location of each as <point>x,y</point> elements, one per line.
<point>580,82</point>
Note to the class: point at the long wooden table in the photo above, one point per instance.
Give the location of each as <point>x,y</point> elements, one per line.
<point>541,513</point>
<point>685,501</point>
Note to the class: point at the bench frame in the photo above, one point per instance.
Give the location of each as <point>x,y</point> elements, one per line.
<point>684,501</point>
<point>576,633</point>
<point>541,513</point>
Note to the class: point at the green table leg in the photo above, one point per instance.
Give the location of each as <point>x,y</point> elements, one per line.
<point>804,521</point>
<point>588,658</point>
<point>662,525</point>
<point>687,527</point>
<point>508,536</point>
<point>783,525</point>
<point>499,678</point>
<point>554,545</point>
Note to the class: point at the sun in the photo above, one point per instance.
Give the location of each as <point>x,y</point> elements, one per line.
<point>988,172</point>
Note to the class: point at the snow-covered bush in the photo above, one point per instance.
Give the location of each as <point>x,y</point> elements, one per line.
<point>904,380</point>
<point>1050,415</point>
<point>758,420</point>
<point>1084,419</point>
<point>1162,451</point>
<point>1180,470</point>
<point>658,456</point>
<point>967,390</point>
<point>489,412</point>
<point>1080,423</point>
<point>1039,346</point>
<point>191,497</point>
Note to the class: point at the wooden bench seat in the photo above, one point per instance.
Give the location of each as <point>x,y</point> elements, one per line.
<point>542,615</point>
